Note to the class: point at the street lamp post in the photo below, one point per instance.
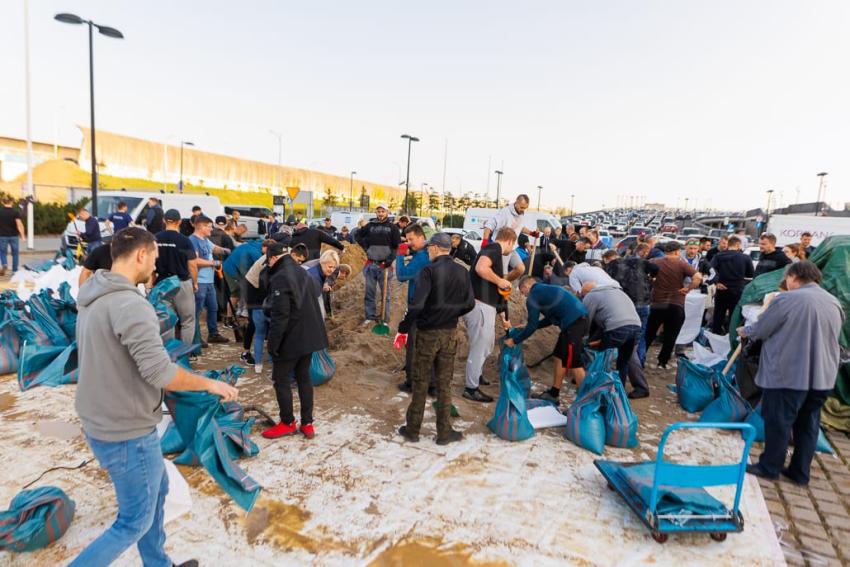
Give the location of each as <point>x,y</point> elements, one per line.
<point>821,187</point>
<point>108,32</point>
<point>498,186</point>
<point>769,196</point>
<point>351,192</point>
<point>410,139</point>
<point>182,145</point>
<point>539,190</point>
<point>572,204</point>
<point>279,136</point>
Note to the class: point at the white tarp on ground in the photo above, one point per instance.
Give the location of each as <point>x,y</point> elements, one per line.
<point>351,496</point>
<point>694,309</point>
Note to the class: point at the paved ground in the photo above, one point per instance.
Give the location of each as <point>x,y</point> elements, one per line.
<point>814,522</point>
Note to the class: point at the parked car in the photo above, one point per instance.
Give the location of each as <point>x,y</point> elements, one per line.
<point>623,245</point>
<point>669,228</point>
<point>754,253</point>
<point>249,215</point>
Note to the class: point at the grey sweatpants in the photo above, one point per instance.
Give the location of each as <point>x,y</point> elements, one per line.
<point>184,304</point>
<point>481,330</point>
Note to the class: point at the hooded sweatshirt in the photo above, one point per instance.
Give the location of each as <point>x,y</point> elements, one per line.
<point>123,364</point>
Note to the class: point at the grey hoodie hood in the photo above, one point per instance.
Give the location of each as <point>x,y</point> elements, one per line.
<point>104,282</point>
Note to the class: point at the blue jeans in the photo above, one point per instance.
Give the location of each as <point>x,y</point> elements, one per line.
<point>261,328</point>
<point>11,242</point>
<point>205,297</point>
<point>643,313</point>
<point>138,474</point>
<point>374,276</point>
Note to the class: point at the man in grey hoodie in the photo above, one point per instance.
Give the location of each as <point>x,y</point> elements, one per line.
<point>124,370</point>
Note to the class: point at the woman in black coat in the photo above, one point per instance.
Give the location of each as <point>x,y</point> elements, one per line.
<point>297,330</point>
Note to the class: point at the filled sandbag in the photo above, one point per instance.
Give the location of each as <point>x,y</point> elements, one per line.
<point>695,385</point>
<point>586,424</point>
<point>728,407</point>
<point>510,419</point>
<point>322,367</point>
<point>35,519</point>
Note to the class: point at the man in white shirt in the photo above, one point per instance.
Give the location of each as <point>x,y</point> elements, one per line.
<point>580,274</point>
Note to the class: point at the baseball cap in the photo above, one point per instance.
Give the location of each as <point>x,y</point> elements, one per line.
<point>220,220</point>
<point>441,240</point>
<point>282,237</point>
<point>382,206</point>
<point>172,215</point>
<point>275,249</point>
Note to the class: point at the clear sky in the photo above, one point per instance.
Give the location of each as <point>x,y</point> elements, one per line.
<point>712,100</point>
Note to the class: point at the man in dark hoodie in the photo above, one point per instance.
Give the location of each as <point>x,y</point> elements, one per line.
<point>380,239</point>
<point>733,270</point>
<point>771,257</point>
<point>313,238</point>
<point>154,217</point>
<point>124,369</point>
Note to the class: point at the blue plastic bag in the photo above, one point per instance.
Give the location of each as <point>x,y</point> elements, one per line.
<point>47,366</point>
<point>40,306</point>
<point>35,519</point>
<point>322,367</point>
<point>600,369</point>
<point>161,297</point>
<point>510,420</point>
<point>694,385</point>
<point>621,423</point>
<point>728,407</point>
<point>585,423</point>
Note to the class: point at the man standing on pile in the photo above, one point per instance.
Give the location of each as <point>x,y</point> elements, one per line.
<point>771,259</point>
<point>443,294</point>
<point>561,308</point>
<point>124,369</point>
<point>205,296</point>
<point>797,370</point>
<point>409,271</point>
<point>176,257</point>
<point>512,216</point>
<point>668,299</point>
<point>733,270</point>
<point>488,284</point>
<point>380,239</point>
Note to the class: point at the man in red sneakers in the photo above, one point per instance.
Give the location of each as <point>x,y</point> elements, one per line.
<point>297,330</point>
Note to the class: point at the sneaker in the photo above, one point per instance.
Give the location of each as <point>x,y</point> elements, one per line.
<point>756,470</point>
<point>790,477</point>
<point>638,394</point>
<point>205,344</point>
<point>476,395</point>
<point>247,358</point>
<point>190,563</point>
<point>280,430</point>
<point>405,387</point>
<point>659,366</point>
<point>368,322</point>
<point>450,438</point>
<point>307,430</point>
<point>546,396</point>
<point>258,368</point>
<point>483,381</point>
<point>407,434</point>
<point>432,392</point>
<point>218,339</point>
<point>3,271</point>
<point>193,358</point>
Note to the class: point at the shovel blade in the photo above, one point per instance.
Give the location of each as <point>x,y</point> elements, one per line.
<point>381,329</point>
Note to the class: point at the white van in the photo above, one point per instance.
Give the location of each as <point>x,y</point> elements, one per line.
<point>350,219</point>
<point>137,208</point>
<point>475,218</point>
<point>788,228</point>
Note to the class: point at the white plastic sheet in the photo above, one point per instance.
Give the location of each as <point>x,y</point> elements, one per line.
<point>178,501</point>
<point>719,343</point>
<point>546,416</point>
<point>694,309</point>
<point>705,357</point>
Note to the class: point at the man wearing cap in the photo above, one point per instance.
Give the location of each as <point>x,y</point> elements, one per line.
<point>443,294</point>
<point>313,238</point>
<point>328,228</point>
<point>177,258</point>
<point>380,239</point>
<point>408,270</point>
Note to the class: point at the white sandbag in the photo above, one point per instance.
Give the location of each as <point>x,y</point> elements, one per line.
<point>719,343</point>
<point>546,416</point>
<point>178,501</point>
<point>23,291</point>
<point>24,276</point>
<point>705,357</point>
<point>694,309</point>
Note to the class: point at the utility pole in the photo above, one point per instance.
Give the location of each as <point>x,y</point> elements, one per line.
<point>29,191</point>
<point>351,192</point>
<point>410,139</point>
<point>821,188</point>
<point>539,190</point>
<point>499,173</point>
<point>572,204</point>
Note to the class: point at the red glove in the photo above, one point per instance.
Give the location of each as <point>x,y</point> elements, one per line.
<point>534,233</point>
<point>400,341</point>
<point>484,243</point>
<point>403,249</point>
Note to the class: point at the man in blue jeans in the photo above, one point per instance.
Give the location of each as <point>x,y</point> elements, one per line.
<point>380,239</point>
<point>124,369</point>
<point>205,295</point>
<point>11,226</point>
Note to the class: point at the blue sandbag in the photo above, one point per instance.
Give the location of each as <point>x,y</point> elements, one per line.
<point>41,310</point>
<point>823,445</point>
<point>585,423</point>
<point>161,297</point>
<point>322,367</point>
<point>671,499</point>
<point>621,423</point>
<point>510,420</point>
<point>694,385</point>
<point>49,366</point>
<point>728,407</point>
<point>35,519</point>
<point>600,369</point>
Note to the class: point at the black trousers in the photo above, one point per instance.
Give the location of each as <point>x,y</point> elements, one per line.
<point>670,315</point>
<point>408,360</point>
<point>724,303</point>
<point>248,337</point>
<point>788,412</point>
<point>281,372</point>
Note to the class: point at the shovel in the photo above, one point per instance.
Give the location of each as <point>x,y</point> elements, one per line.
<point>531,263</point>
<point>381,328</point>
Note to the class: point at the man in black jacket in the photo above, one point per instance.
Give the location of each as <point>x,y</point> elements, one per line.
<point>313,239</point>
<point>296,331</point>
<point>443,293</point>
<point>380,239</point>
<point>771,257</point>
<point>462,250</point>
<point>733,270</point>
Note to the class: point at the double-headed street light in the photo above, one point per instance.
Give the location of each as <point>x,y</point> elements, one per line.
<point>109,32</point>
<point>410,139</point>
<point>183,144</point>
<point>351,192</point>
<point>821,189</point>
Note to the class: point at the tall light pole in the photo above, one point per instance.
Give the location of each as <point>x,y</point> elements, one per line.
<point>410,139</point>
<point>351,192</point>
<point>108,32</point>
<point>539,190</point>
<point>30,193</point>
<point>821,187</point>
<point>183,144</point>
<point>769,195</point>
<point>499,174</point>
<point>572,204</point>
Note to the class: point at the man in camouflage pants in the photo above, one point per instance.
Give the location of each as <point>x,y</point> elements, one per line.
<point>443,294</point>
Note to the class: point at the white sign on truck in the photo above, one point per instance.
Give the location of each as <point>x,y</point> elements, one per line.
<point>788,228</point>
